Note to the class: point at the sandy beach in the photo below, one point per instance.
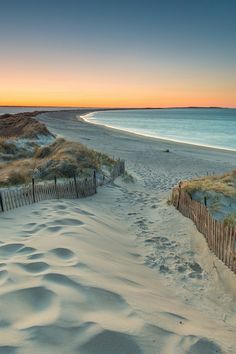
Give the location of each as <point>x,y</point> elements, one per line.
<point>121,272</point>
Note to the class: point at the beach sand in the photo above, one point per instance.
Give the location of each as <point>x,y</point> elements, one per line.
<point>121,272</point>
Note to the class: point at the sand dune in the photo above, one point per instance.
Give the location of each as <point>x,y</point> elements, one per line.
<point>120,272</point>
<point>85,287</point>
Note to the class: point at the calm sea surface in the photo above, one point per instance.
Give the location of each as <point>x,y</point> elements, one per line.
<point>206,127</point>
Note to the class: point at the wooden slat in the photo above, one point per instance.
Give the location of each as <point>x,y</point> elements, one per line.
<point>221,239</point>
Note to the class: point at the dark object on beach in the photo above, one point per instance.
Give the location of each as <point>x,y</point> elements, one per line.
<point>167,150</point>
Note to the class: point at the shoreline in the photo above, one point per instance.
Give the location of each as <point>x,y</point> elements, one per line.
<point>88,111</point>
<point>160,139</point>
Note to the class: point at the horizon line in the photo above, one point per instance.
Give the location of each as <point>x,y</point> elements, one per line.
<point>107,107</point>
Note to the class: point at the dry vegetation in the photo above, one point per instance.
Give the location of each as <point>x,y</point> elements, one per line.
<point>230,220</point>
<point>22,125</point>
<point>62,159</point>
<point>22,155</point>
<point>14,149</point>
<point>225,184</point>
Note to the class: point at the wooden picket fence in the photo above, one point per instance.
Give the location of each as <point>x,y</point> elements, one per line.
<point>220,239</point>
<point>11,198</point>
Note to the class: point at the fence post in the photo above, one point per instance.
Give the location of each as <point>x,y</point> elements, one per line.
<point>76,189</point>
<point>1,202</point>
<point>55,182</point>
<point>179,192</point>
<point>33,190</point>
<point>95,181</point>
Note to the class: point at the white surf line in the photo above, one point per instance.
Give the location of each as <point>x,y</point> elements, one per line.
<point>157,137</point>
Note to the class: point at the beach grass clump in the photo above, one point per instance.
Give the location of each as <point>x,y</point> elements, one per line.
<point>74,154</point>
<point>15,149</point>
<point>230,220</point>
<point>62,158</point>
<point>16,172</point>
<point>6,147</point>
<point>225,184</point>
<point>17,177</point>
<point>127,177</point>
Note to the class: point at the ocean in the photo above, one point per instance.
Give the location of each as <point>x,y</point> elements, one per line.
<point>215,127</point>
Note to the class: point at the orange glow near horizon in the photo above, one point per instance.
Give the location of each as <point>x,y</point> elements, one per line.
<point>42,85</point>
<point>124,98</point>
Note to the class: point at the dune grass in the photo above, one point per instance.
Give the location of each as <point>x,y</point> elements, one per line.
<point>62,158</point>
<point>230,220</point>
<point>225,184</point>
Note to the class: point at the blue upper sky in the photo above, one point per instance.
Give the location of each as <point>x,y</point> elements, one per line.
<point>152,37</point>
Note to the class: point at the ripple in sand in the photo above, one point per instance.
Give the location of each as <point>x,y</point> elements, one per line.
<point>36,256</point>
<point>25,303</point>
<point>108,342</point>
<point>3,276</point>
<point>53,335</point>
<point>26,250</point>
<point>106,299</point>
<point>66,222</point>
<point>9,249</point>
<point>63,280</point>
<point>34,230</point>
<point>83,212</point>
<point>31,224</point>
<point>63,253</point>
<point>34,267</point>
<point>7,349</point>
<point>54,228</point>
<point>59,335</point>
<point>204,346</point>
<point>60,207</point>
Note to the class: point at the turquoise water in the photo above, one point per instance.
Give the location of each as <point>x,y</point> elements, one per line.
<point>206,127</point>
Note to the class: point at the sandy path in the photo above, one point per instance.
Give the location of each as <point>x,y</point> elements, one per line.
<point>121,272</point>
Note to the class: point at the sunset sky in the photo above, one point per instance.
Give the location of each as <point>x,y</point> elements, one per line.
<point>125,53</point>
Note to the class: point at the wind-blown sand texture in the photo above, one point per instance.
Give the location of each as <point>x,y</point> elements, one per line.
<point>120,272</point>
